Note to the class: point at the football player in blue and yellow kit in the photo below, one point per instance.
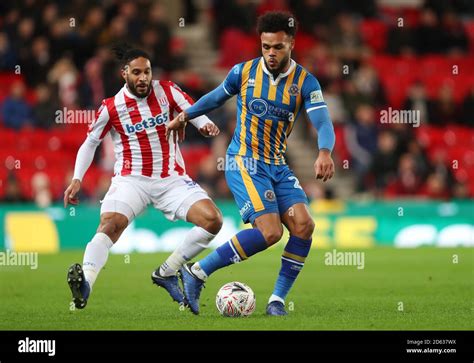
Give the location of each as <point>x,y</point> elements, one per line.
<point>271,91</point>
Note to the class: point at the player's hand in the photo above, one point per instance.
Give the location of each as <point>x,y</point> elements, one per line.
<point>70,193</point>
<point>209,130</point>
<point>177,126</point>
<point>324,166</point>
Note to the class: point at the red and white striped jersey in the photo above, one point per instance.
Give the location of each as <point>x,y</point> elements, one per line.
<point>137,127</point>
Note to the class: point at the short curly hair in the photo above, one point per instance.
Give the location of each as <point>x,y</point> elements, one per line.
<point>275,21</point>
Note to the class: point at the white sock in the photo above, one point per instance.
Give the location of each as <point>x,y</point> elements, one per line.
<point>276,298</point>
<point>194,243</point>
<point>95,256</point>
<point>198,271</point>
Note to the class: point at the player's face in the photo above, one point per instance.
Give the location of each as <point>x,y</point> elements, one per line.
<point>276,50</point>
<point>138,76</point>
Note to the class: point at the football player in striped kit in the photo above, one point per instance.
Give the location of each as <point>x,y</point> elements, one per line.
<point>271,91</point>
<point>149,169</point>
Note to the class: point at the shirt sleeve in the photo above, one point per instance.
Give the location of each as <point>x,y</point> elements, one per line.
<point>183,102</point>
<point>96,133</point>
<point>232,82</point>
<point>101,124</point>
<point>318,113</point>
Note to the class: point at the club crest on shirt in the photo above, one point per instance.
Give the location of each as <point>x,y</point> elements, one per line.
<point>163,101</point>
<point>294,90</point>
<point>269,195</point>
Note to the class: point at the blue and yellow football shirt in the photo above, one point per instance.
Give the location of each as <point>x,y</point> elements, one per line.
<point>267,108</point>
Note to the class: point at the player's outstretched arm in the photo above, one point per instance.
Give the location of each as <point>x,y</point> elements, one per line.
<point>84,158</point>
<point>205,104</point>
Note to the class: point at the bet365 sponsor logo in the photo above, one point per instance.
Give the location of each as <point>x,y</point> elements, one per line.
<point>150,122</point>
<point>28,345</point>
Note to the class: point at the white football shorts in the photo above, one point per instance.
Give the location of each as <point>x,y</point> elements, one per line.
<point>130,195</point>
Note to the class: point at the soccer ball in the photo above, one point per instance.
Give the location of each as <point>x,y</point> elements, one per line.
<point>235,299</point>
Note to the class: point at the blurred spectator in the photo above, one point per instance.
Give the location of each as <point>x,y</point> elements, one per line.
<point>90,31</point>
<point>332,96</point>
<point>7,54</point>
<point>23,36</point>
<point>385,160</point>
<point>455,39</point>
<point>467,111</point>
<point>429,33</point>
<point>272,5</point>
<point>444,109</point>
<point>161,41</point>
<point>368,84</point>
<point>346,40</point>
<point>417,100</point>
<point>13,192</point>
<point>63,40</point>
<point>439,165</point>
<point>16,112</point>
<point>421,162</point>
<point>44,110</point>
<point>401,40</point>
<point>312,13</point>
<point>92,85</point>
<point>318,60</point>
<point>239,14</point>
<point>37,64</point>
<point>461,190</point>
<point>435,187</point>
<point>352,98</point>
<point>40,185</point>
<point>361,139</point>
<point>408,181</point>
<point>65,75</point>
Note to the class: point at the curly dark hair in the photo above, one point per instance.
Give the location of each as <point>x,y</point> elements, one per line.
<point>125,53</point>
<point>275,21</point>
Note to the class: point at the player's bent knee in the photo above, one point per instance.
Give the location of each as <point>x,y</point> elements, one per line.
<point>304,229</point>
<point>112,225</point>
<point>212,221</point>
<point>272,236</point>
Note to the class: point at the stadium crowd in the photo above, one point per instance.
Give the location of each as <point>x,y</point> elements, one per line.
<point>367,55</point>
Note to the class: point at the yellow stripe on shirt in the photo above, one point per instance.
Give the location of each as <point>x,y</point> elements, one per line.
<point>243,114</point>
<point>278,141</point>
<point>266,140</point>
<point>253,132</point>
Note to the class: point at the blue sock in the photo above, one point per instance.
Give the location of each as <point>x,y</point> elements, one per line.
<point>243,245</point>
<point>292,261</point>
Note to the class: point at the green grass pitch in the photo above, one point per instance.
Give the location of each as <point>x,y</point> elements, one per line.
<point>399,289</point>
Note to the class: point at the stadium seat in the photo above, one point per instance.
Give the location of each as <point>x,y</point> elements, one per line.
<point>374,34</point>
<point>470,33</point>
<point>232,54</point>
<point>304,43</point>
